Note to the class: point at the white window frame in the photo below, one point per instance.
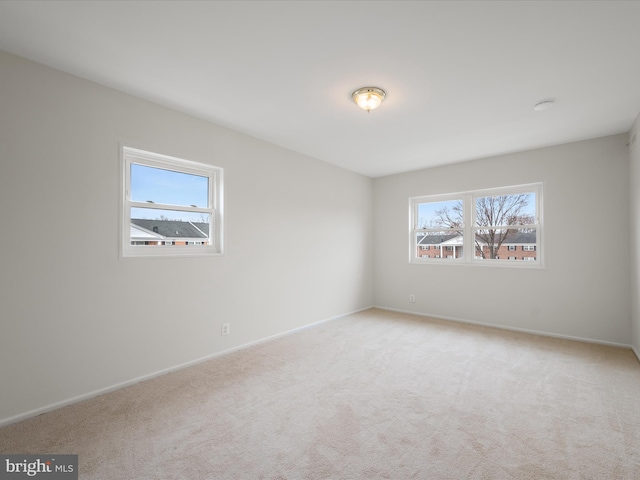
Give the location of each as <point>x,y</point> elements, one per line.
<point>214,208</point>
<point>415,230</point>
<point>469,199</point>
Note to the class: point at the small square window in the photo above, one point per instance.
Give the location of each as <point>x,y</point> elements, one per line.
<point>170,206</point>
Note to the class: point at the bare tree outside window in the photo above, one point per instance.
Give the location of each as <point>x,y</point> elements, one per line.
<point>445,215</point>
<point>448,217</point>
<point>479,227</point>
<point>494,216</point>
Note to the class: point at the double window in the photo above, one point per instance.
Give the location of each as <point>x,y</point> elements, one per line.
<point>170,206</point>
<point>479,227</point>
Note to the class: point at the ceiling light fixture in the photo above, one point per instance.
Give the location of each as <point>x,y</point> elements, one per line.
<point>368,98</point>
<point>543,105</point>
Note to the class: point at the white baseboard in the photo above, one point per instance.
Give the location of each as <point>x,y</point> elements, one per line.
<point>635,350</point>
<point>514,329</point>
<point>86,396</point>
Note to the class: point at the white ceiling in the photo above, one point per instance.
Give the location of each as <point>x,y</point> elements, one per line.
<point>461,77</point>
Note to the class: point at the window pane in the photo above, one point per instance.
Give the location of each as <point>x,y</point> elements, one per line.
<point>500,244</point>
<point>445,244</point>
<point>517,209</point>
<point>168,227</point>
<point>440,214</point>
<point>157,185</point>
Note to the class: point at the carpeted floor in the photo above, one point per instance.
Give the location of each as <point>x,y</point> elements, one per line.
<point>371,396</point>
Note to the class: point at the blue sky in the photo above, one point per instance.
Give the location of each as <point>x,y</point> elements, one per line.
<point>170,188</point>
<point>426,211</point>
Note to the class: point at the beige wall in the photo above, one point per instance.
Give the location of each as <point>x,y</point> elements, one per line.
<point>302,239</point>
<point>586,203</point>
<point>635,233</point>
<point>76,318</point>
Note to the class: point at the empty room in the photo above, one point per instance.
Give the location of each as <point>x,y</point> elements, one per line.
<point>320,240</point>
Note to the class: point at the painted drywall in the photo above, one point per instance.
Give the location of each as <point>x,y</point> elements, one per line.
<point>582,292</point>
<point>77,318</point>
<point>634,176</point>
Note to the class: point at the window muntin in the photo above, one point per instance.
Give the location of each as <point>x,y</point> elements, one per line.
<point>487,225</point>
<point>171,206</point>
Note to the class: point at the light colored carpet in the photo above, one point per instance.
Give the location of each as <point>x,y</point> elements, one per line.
<point>370,396</point>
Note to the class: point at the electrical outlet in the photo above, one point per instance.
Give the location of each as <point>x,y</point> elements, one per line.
<point>412,298</point>
<point>225,329</point>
